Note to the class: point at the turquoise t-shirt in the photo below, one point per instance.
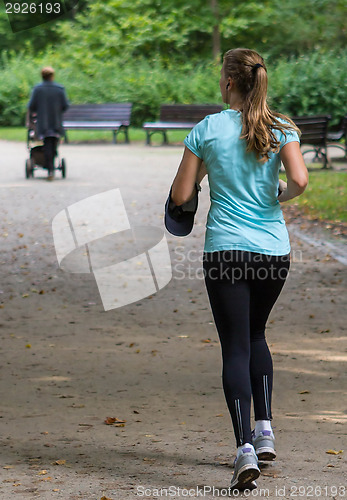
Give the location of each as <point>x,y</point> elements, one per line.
<point>244,213</point>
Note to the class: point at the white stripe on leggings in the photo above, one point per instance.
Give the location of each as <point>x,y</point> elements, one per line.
<point>266,395</point>
<point>239,419</point>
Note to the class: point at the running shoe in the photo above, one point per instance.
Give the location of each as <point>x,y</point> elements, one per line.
<point>246,470</point>
<point>264,445</point>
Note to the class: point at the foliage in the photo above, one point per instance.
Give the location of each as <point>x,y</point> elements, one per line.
<point>37,38</point>
<point>309,84</point>
<point>146,84</point>
<point>180,30</point>
<point>314,83</point>
<point>283,29</point>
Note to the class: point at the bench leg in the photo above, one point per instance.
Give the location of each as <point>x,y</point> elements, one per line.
<point>66,140</point>
<point>320,156</point>
<point>123,129</point>
<point>327,162</point>
<point>149,135</point>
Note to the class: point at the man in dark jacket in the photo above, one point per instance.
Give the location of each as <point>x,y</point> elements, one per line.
<point>48,100</point>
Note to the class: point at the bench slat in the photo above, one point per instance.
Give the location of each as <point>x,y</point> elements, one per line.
<point>167,125</point>
<point>77,124</point>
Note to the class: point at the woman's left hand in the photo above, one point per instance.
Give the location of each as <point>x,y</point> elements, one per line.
<point>282,186</point>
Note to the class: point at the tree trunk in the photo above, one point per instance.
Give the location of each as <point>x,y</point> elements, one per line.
<point>216,32</point>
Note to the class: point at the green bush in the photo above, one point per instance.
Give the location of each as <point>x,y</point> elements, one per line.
<point>310,84</point>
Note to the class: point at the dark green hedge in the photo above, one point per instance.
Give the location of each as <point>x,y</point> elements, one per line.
<point>311,84</point>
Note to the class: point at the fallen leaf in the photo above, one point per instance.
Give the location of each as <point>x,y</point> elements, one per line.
<point>59,462</point>
<point>28,346</point>
<point>206,340</point>
<point>269,474</point>
<point>219,415</point>
<point>8,466</point>
<point>42,472</point>
<point>114,421</point>
<point>105,498</point>
<point>304,392</point>
<point>334,452</point>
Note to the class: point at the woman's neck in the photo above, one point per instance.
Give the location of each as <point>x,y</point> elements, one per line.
<point>235,101</point>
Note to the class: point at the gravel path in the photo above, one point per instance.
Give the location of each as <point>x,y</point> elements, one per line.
<point>66,364</point>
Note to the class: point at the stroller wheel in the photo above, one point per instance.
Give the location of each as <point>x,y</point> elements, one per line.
<point>29,171</point>
<point>63,168</point>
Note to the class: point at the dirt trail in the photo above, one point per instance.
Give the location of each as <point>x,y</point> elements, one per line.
<point>66,364</point>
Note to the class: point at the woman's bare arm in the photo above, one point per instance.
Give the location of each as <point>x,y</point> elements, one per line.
<point>189,172</point>
<point>296,171</point>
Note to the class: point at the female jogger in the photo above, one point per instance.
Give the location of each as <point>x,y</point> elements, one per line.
<point>246,254</point>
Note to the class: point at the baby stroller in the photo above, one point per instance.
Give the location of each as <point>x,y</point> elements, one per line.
<point>35,148</point>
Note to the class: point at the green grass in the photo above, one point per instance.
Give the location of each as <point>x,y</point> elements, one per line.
<point>135,134</point>
<point>325,196</point>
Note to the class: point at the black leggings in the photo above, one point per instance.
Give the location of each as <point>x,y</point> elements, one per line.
<point>242,288</point>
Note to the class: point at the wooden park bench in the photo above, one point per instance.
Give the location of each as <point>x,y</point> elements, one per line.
<point>338,133</point>
<point>110,116</point>
<point>178,117</point>
<point>314,131</point>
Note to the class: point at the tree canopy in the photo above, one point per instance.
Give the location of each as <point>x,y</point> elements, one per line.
<point>154,51</point>
<point>176,29</point>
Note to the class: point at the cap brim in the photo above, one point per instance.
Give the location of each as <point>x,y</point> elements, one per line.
<point>181,227</point>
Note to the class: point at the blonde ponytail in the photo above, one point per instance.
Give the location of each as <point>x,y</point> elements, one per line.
<point>247,68</point>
